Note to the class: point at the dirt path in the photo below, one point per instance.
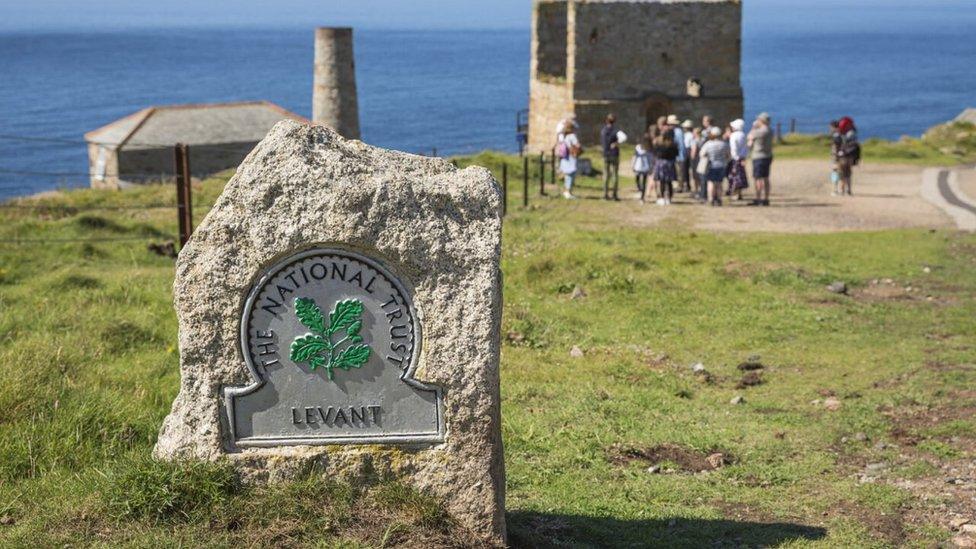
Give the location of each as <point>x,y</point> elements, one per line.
<point>885,196</point>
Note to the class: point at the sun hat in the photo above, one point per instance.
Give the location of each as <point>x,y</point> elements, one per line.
<point>687,124</point>
<point>715,131</point>
<point>738,124</point>
<point>673,120</point>
<point>763,116</point>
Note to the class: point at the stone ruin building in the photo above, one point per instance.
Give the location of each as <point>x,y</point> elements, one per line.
<point>637,59</point>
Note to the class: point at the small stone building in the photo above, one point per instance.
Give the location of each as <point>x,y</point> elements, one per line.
<point>638,59</point>
<point>139,148</point>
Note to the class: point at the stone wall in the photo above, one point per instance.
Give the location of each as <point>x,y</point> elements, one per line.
<point>548,104</point>
<point>149,165</point>
<point>625,50</point>
<point>549,47</point>
<point>634,59</point>
<point>110,171</point>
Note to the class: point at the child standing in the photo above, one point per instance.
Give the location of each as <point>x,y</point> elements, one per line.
<point>642,166</point>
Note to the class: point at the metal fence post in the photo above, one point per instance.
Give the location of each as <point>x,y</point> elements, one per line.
<point>542,174</point>
<point>504,189</point>
<point>552,167</point>
<point>792,125</point>
<point>779,132</point>
<point>525,181</point>
<point>184,198</point>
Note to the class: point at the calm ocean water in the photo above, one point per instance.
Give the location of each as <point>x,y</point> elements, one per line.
<point>456,91</point>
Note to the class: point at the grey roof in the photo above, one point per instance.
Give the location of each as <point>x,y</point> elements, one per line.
<point>968,115</point>
<point>205,124</point>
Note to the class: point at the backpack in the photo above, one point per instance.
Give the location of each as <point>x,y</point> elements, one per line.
<point>562,150</point>
<point>850,148</point>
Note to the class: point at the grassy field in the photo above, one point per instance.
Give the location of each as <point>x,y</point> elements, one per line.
<point>943,145</point>
<point>854,407</point>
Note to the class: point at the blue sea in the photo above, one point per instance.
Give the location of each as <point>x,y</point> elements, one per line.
<point>897,71</point>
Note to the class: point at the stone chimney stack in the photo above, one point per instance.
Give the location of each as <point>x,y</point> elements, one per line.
<point>334,101</point>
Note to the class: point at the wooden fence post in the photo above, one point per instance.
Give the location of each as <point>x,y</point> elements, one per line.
<point>184,192</point>
<point>792,125</point>
<point>525,181</point>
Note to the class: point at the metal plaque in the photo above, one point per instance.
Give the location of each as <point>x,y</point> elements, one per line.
<point>331,339</point>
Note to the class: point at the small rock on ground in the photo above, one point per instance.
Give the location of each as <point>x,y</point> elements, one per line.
<point>958,522</point>
<point>716,460</point>
<point>963,541</point>
<point>837,287</point>
<point>576,352</point>
<point>738,399</point>
<point>578,293</point>
<point>833,404</point>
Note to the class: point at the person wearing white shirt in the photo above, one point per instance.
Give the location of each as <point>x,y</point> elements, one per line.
<point>568,150</point>
<point>739,146</point>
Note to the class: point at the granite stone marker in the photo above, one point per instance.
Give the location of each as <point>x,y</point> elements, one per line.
<point>339,307</point>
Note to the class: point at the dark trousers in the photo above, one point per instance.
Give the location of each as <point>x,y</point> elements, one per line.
<point>641,179</point>
<point>611,164</point>
<point>666,189</point>
<point>681,167</point>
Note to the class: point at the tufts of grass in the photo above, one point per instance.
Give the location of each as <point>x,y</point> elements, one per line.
<point>159,492</point>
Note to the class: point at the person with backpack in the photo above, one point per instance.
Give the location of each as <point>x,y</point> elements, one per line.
<point>568,150</point>
<point>611,157</point>
<point>642,166</point>
<point>848,152</point>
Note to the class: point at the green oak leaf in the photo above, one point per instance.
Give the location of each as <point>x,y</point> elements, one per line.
<point>353,329</point>
<point>310,315</point>
<point>303,349</point>
<point>318,361</point>
<point>353,356</point>
<point>318,349</point>
<point>345,313</point>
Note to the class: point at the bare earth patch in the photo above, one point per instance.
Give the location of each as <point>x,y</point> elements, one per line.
<point>685,459</point>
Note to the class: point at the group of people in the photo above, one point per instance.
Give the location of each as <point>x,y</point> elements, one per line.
<point>698,159</point>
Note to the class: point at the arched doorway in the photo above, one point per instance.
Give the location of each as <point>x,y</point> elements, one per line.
<point>655,106</point>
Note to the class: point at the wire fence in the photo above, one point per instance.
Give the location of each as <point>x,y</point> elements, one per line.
<point>182,206</point>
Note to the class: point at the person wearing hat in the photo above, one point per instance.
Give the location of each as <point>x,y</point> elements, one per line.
<point>760,142</point>
<point>738,179</point>
<point>681,161</point>
<point>716,152</point>
<point>611,157</point>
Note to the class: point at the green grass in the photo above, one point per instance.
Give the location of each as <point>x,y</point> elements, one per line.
<point>90,369</point>
<point>946,144</point>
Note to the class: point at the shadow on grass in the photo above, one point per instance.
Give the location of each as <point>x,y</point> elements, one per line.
<point>532,529</point>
